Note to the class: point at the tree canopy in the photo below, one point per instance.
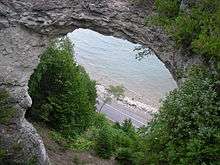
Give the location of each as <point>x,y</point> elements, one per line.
<point>63,94</point>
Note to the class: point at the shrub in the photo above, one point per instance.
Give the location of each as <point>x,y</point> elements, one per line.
<point>63,94</point>
<point>184,30</point>
<point>208,45</point>
<point>100,121</point>
<point>186,131</point>
<point>82,144</point>
<point>57,137</point>
<point>123,140</point>
<point>105,143</point>
<point>126,156</point>
<point>168,8</point>
<point>128,127</point>
<point>197,28</point>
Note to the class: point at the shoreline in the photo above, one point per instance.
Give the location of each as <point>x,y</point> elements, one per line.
<point>145,98</point>
<point>128,100</point>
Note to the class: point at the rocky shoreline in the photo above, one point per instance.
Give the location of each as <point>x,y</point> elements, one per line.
<point>127,101</point>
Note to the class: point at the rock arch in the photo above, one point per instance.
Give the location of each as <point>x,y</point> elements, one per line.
<point>26,26</point>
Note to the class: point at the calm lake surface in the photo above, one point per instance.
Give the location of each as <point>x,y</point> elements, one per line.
<point>110,60</point>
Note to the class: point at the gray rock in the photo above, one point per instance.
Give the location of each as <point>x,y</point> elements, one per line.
<point>25,29</point>
<point>186,4</point>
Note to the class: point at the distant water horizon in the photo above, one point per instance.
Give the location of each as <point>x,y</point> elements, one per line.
<point>111,61</point>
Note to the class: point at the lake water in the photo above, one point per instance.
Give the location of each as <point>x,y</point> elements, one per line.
<point>110,60</point>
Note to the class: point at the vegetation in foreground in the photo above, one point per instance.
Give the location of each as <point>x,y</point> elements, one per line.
<point>113,92</point>
<point>196,29</point>
<point>185,131</point>
<point>63,95</point>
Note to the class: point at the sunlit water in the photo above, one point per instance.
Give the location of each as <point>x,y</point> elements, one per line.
<point>110,60</point>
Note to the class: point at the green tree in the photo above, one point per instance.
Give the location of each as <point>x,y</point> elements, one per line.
<point>116,91</point>
<point>196,29</point>
<point>63,94</point>
<point>105,143</point>
<point>186,131</point>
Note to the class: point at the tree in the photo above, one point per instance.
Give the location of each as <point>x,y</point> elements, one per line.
<point>107,99</point>
<point>186,131</point>
<point>116,92</point>
<point>63,94</point>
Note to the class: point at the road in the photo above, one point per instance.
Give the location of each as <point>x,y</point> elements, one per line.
<point>117,112</point>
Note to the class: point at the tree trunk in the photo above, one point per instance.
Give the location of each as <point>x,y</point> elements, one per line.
<point>102,106</point>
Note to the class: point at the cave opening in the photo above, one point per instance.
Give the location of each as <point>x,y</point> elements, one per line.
<point>111,61</point>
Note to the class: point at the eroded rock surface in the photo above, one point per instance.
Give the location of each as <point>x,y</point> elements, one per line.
<point>26,26</point>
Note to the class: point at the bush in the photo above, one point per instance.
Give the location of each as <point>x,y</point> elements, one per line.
<point>207,45</point>
<point>184,30</point>
<point>82,144</point>
<point>105,143</point>
<point>123,140</point>
<point>109,140</point>
<point>124,156</point>
<point>128,127</point>
<point>168,8</point>
<point>197,29</point>
<point>63,94</point>
<point>100,121</point>
<point>186,131</point>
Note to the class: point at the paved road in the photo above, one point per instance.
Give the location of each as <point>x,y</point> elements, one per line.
<point>117,112</point>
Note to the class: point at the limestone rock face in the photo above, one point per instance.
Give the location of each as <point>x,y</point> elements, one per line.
<point>26,26</point>
<point>19,55</point>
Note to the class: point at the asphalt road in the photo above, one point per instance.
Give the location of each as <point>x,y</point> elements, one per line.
<point>118,113</point>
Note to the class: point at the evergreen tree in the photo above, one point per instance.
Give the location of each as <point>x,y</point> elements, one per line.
<point>63,94</point>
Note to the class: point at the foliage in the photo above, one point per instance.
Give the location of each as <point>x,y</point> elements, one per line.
<point>100,121</point>
<point>127,126</point>
<point>184,29</point>
<point>121,141</point>
<point>126,156</point>
<point>197,29</point>
<point>186,131</point>
<point>6,107</point>
<point>105,143</point>
<point>57,137</point>
<point>82,144</point>
<point>63,94</point>
<point>117,91</point>
<point>168,8</point>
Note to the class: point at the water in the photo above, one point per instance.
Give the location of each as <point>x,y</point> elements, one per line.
<point>110,60</point>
